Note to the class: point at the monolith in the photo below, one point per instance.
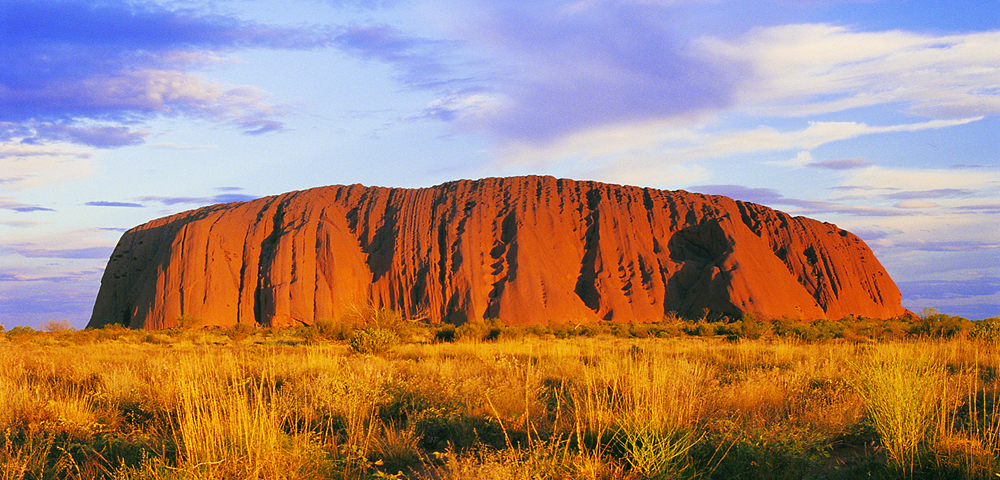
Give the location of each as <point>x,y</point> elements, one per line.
<point>524,250</point>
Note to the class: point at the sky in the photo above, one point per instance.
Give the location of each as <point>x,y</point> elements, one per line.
<point>882,117</point>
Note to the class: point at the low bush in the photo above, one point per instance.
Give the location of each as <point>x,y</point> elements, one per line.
<point>987,330</point>
<point>189,321</point>
<point>57,326</point>
<point>486,330</point>
<point>938,325</point>
<point>327,329</point>
<point>20,333</point>
<point>240,331</point>
<point>374,340</point>
<point>445,333</point>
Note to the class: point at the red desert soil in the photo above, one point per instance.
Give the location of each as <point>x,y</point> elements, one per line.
<point>526,250</point>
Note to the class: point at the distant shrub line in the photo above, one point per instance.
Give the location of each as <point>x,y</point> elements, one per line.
<point>373,331</point>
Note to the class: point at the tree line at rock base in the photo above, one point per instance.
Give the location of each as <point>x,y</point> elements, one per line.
<point>371,330</point>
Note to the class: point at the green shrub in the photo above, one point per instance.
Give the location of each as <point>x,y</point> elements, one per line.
<point>385,318</point>
<point>483,331</point>
<point>374,340</point>
<point>20,333</point>
<point>703,329</point>
<point>189,321</point>
<point>938,325</point>
<point>327,329</point>
<point>445,334</point>
<point>111,331</point>
<point>986,330</point>
<point>751,328</point>
<point>788,327</point>
<point>239,331</point>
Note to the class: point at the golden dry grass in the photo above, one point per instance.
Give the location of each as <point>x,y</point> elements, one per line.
<point>179,405</point>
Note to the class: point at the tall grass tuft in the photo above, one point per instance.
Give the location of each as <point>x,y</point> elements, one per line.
<point>20,459</point>
<point>229,424</point>
<point>968,445</point>
<point>642,408</point>
<point>901,393</point>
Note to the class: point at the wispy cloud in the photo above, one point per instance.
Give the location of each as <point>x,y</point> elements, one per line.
<point>870,233</point>
<point>362,4</point>
<point>113,204</point>
<point>69,63</point>
<point>915,204</point>
<point>100,136</point>
<point>921,183</point>
<point>977,297</point>
<point>808,69</point>
<point>541,71</point>
<point>983,208</point>
<point>948,246</point>
<point>20,223</point>
<point>770,197</point>
<point>23,165</point>
<point>10,203</point>
<point>89,253</point>
<point>763,196</point>
<point>972,287</point>
<point>840,164</point>
<point>575,69</point>
<point>421,61</point>
<point>175,146</point>
<point>545,73</point>
<point>34,298</point>
<point>654,147</point>
<point>221,198</point>
<point>935,193</point>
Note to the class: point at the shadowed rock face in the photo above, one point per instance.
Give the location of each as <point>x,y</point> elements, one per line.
<point>526,250</point>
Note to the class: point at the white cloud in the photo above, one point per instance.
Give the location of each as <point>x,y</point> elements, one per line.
<point>801,159</point>
<point>810,69</point>
<point>173,92</point>
<point>899,179</point>
<point>17,223</point>
<point>651,145</point>
<point>648,138</point>
<point>652,172</point>
<point>29,166</point>
<point>764,138</point>
<point>798,71</point>
<point>177,146</point>
<point>915,204</point>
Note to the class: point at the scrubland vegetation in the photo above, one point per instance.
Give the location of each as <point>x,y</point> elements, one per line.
<point>379,397</point>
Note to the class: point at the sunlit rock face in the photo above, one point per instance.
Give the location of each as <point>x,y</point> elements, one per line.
<point>525,250</point>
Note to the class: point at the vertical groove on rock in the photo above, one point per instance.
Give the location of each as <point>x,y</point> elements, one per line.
<point>587,282</point>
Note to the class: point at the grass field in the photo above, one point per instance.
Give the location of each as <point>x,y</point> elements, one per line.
<point>389,399</point>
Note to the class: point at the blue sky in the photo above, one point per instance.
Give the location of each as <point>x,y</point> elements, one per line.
<point>880,116</point>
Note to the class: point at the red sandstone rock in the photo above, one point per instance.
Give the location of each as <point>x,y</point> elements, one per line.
<point>526,250</point>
